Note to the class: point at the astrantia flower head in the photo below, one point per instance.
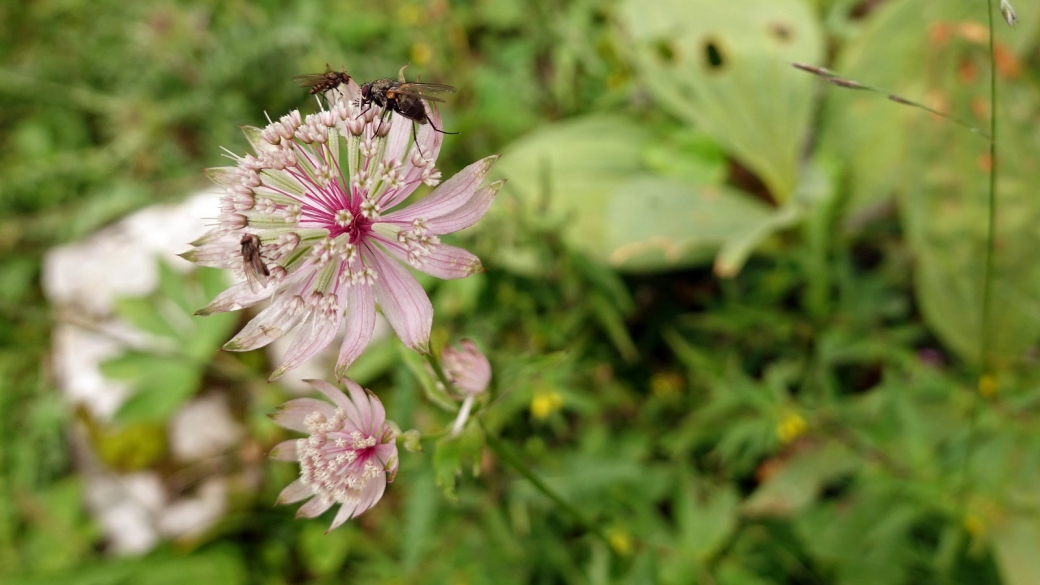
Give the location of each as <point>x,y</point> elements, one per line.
<point>321,194</point>
<point>349,456</point>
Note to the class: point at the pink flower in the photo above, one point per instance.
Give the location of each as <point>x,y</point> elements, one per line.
<point>320,195</point>
<point>349,456</point>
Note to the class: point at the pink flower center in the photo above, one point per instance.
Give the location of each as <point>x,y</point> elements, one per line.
<point>335,461</point>
<point>349,220</point>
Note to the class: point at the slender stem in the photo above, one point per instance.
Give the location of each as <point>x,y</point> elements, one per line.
<point>507,456</point>
<point>985,350</point>
<point>513,461</point>
<point>460,420</point>
<point>991,228</point>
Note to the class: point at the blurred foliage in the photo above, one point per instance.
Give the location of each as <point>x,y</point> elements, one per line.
<point>813,407</point>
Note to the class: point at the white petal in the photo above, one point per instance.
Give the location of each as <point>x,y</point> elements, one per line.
<point>443,261</point>
<point>269,325</point>
<point>285,451</point>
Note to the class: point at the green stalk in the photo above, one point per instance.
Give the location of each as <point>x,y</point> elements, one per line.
<point>985,349</point>
<point>507,456</point>
<point>991,228</point>
<point>513,461</point>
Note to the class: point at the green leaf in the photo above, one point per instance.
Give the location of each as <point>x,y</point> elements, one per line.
<point>568,172</point>
<point>659,224</point>
<point>419,521</point>
<point>945,210</point>
<point>172,287</point>
<point>1016,544</point>
<point>142,313</point>
<point>322,553</point>
<point>814,187</point>
<point>725,67</point>
<point>706,516</point>
<point>452,453</point>
<point>162,384</point>
<point>800,479</point>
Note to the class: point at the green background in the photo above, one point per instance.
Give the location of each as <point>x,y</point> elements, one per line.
<point>734,312</point>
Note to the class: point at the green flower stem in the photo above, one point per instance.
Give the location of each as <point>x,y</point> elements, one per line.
<point>437,369</point>
<point>507,456</point>
<point>991,228</point>
<point>985,349</point>
<point>513,461</point>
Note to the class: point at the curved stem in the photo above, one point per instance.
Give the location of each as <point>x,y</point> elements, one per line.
<point>513,461</point>
<point>508,457</point>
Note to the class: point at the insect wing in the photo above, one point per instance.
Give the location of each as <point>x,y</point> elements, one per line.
<point>422,90</point>
<point>309,80</point>
<point>253,266</point>
<point>427,88</point>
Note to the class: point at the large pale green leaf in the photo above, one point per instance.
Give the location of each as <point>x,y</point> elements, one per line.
<point>661,223</point>
<point>1016,544</point>
<point>800,479</point>
<point>867,132</point>
<point>568,171</point>
<point>587,175</point>
<point>725,67</point>
<point>945,209</point>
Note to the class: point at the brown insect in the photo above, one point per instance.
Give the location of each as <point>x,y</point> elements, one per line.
<point>253,264</point>
<point>322,82</point>
<point>407,99</point>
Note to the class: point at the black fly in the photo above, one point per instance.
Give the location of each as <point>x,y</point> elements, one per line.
<point>407,99</point>
<point>253,264</point>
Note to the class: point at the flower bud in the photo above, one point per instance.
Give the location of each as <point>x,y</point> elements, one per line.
<point>467,368</point>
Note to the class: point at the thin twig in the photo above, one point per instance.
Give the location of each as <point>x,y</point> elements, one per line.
<point>853,84</point>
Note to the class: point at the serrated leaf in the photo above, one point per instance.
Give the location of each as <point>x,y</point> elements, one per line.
<point>452,453</point>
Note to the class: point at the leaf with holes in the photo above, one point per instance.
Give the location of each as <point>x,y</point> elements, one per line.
<point>867,133</point>
<point>725,67</point>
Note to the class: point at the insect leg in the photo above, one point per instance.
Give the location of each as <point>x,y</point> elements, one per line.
<point>415,139</point>
<point>434,127</point>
